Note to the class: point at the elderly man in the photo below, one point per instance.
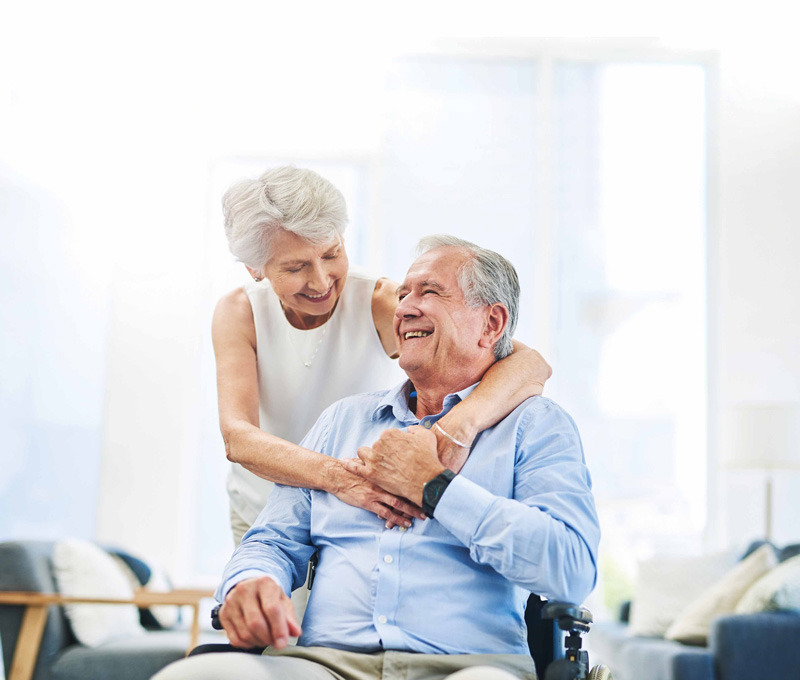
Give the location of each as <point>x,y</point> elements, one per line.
<point>446,595</point>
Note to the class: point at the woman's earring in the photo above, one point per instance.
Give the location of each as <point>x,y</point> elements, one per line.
<point>256,279</point>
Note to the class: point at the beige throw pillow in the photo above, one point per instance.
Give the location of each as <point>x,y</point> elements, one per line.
<point>665,586</point>
<point>779,589</point>
<point>693,624</point>
<point>84,570</point>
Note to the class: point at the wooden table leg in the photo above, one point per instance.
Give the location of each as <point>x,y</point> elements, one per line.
<point>195,635</point>
<point>30,637</point>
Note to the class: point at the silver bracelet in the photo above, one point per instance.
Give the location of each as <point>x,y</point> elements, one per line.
<point>450,437</point>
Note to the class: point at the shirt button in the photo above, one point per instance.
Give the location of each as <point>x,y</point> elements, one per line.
<point>382,619</point>
<point>428,424</point>
<point>403,529</point>
<point>388,559</point>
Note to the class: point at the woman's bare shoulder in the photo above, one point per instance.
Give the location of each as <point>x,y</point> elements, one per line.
<point>233,313</point>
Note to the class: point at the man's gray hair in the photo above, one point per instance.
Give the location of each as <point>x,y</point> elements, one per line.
<point>298,200</point>
<point>485,278</point>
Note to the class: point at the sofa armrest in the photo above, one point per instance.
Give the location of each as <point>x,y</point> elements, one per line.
<point>755,645</point>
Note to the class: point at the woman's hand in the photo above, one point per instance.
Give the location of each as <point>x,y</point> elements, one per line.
<point>354,490</point>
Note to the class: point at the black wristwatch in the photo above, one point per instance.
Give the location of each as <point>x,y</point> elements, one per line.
<point>433,490</point>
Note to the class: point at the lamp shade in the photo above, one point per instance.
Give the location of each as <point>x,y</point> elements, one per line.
<point>765,435</point>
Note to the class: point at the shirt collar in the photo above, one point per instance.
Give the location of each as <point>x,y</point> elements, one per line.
<point>396,399</point>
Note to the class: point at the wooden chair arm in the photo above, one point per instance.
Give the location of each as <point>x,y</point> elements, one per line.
<point>36,604</point>
<point>141,598</point>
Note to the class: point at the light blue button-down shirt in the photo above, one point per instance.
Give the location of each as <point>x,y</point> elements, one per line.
<point>519,518</point>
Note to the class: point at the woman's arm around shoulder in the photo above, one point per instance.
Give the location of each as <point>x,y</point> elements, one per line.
<point>509,382</point>
<point>384,302</point>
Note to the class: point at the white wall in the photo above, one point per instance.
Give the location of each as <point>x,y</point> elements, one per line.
<point>755,331</point>
<point>176,97</point>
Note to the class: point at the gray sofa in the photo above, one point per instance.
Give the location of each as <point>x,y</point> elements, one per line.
<point>740,647</point>
<point>26,566</point>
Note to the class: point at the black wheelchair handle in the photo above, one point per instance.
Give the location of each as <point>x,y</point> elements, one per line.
<point>215,622</point>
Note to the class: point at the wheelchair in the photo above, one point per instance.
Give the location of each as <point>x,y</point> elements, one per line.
<point>574,621</point>
<point>569,618</point>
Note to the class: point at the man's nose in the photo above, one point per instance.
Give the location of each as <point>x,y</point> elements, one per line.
<point>407,308</point>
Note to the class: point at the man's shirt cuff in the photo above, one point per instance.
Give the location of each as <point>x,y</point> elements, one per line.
<point>462,507</point>
<point>225,588</point>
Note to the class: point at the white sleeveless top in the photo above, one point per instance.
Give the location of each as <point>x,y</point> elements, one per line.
<point>346,357</point>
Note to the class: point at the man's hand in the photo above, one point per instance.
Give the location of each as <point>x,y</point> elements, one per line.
<point>401,462</point>
<point>257,613</point>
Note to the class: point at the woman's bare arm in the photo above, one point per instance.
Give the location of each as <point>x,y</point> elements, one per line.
<point>509,382</point>
<point>268,456</point>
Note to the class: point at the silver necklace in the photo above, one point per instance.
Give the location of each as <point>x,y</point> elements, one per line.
<point>307,362</point>
<point>310,360</point>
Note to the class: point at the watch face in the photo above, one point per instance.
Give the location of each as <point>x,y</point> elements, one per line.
<point>433,490</point>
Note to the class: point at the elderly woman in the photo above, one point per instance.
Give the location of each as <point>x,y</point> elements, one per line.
<point>307,332</point>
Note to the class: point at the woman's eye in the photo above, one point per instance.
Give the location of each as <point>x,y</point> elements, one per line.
<point>294,271</point>
<point>332,256</point>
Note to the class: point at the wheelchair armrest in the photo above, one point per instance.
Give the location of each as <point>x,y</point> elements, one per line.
<point>570,617</point>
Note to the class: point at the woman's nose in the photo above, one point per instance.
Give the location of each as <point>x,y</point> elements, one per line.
<point>318,280</point>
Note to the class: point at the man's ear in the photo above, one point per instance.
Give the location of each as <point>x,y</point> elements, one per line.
<point>495,325</point>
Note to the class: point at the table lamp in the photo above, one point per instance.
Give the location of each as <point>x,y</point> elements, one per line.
<point>766,436</point>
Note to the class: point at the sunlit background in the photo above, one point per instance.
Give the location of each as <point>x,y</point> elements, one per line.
<point>645,189</point>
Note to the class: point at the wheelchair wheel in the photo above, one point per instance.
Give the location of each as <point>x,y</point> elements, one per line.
<point>600,673</point>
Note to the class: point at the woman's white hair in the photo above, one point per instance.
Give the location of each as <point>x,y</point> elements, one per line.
<point>288,198</point>
<point>485,279</point>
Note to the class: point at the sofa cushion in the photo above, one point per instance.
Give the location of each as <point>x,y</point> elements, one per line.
<point>779,589</point>
<point>694,622</point>
<point>82,569</point>
<point>666,585</point>
<point>132,658</point>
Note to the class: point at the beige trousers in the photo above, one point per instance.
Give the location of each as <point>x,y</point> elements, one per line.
<point>322,663</point>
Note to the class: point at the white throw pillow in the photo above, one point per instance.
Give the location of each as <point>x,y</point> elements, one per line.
<point>166,615</point>
<point>694,623</point>
<point>664,586</point>
<point>779,589</point>
<point>84,570</point>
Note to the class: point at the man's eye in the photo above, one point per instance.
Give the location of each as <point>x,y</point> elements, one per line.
<point>401,296</point>
<point>425,292</point>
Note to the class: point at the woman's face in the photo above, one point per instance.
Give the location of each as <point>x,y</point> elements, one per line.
<point>307,278</point>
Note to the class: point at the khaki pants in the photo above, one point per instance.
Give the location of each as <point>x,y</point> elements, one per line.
<point>322,663</point>
<point>239,528</point>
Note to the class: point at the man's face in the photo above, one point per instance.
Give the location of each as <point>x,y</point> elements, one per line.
<point>437,333</point>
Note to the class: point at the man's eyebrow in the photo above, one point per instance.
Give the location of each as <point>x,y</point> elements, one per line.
<point>422,284</point>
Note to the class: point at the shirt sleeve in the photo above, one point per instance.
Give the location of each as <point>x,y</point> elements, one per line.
<point>545,538</point>
<point>279,544</point>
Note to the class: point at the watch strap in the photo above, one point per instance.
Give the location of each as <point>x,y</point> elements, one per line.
<point>433,490</point>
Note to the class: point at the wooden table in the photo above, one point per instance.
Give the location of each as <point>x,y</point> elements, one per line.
<point>36,604</point>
